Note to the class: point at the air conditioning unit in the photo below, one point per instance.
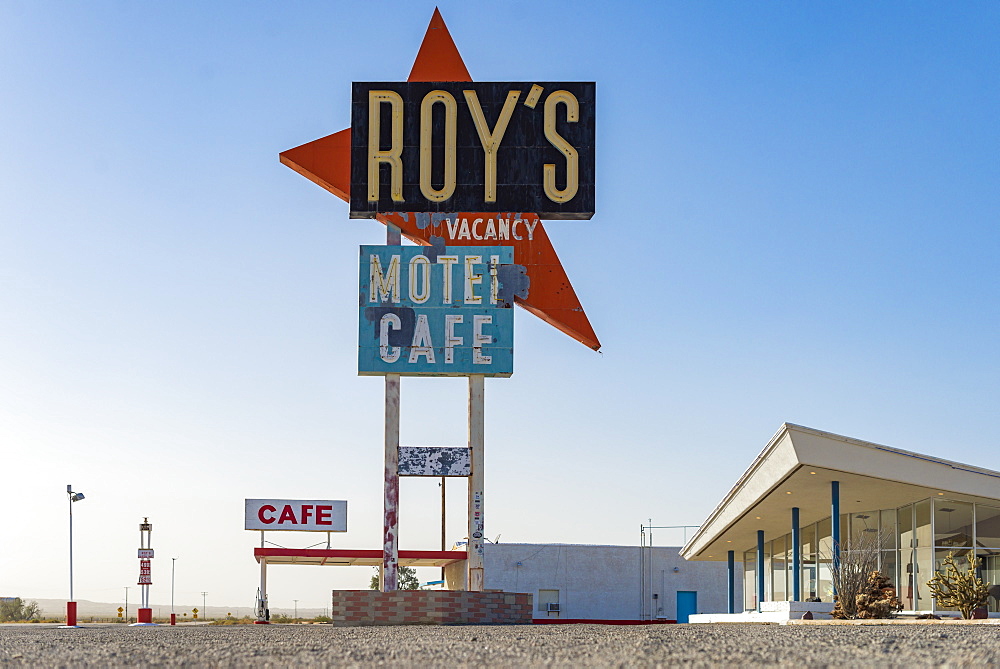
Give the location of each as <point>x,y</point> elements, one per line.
<point>552,607</point>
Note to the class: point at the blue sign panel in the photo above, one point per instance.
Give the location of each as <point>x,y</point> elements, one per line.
<point>438,311</point>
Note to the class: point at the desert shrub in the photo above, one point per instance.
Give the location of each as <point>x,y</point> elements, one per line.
<point>878,600</point>
<point>962,590</point>
<point>851,577</point>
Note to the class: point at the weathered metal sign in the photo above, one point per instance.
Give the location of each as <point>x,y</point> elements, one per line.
<point>437,311</point>
<point>435,461</point>
<point>462,146</point>
<point>327,162</point>
<point>303,515</point>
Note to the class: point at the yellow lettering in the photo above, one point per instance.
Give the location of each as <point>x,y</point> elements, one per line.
<point>447,261</point>
<point>391,156</point>
<point>472,280</point>
<point>383,285</point>
<point>491,139</point>
<point>426,159</point>
<point>420,290</point>
<point>557,141</point>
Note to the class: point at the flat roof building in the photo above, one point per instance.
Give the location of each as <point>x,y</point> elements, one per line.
<point>810,495</point>
<point>611,584</point>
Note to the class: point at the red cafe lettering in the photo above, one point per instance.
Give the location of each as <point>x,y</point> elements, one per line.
<point>302,515</point>
<point>292,514</point>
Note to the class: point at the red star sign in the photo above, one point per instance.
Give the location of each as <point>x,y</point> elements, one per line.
<point>327,162</point>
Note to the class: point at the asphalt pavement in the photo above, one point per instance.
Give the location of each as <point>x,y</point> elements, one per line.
<point>500,646</point>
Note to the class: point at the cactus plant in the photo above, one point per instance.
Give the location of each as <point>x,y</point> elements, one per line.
<point>958,589</point>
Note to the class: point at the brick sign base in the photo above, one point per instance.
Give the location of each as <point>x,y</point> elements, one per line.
<point>430,607</point>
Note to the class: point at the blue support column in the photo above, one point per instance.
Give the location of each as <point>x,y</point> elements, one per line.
<point>796,557</point>
<point>731,559</point>
<point>760,568</point>
<point>835,524</point>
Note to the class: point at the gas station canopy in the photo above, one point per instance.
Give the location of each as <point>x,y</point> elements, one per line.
<point>355,558</point>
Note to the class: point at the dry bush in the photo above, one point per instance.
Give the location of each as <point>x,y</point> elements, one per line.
<point>863,592</point>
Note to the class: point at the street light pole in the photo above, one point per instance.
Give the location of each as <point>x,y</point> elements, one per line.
<point>296,608</point>
<point>173,616</point>
<point>71,604</point>
<point>69,494</point>
<point>204,608</point>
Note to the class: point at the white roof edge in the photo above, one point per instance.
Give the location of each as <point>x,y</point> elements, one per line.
<point>751,470</point>
<point>772,444</point>
<point>892,449</point>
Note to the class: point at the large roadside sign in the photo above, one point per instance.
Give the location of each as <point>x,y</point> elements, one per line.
<point>462,146</point>
<point>303,515</point>
<point>437,311</point>
<point>526,137</point>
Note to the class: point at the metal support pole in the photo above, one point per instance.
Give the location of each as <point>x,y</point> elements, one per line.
<point>390,508</point>
<point>731,589</point>
<point>796,557</point>
<point>390,518</point>
<point>760,568</point>
<point>477,428</point>
<point>68,489</point>
<point>262,612</point>
<point>835,526</point>
<point>443,520</point>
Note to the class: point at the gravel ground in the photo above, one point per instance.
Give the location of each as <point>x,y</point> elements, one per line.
<point>502,646</point>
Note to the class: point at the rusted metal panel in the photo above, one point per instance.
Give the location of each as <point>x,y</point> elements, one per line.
<point>434,461</point>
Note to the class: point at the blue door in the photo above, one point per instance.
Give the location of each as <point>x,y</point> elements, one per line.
<point>687,603</point>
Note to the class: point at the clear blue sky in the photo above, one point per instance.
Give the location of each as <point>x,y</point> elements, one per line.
<point>798,211</point>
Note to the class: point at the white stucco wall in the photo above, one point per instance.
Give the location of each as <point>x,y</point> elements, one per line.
<point>603,582</point>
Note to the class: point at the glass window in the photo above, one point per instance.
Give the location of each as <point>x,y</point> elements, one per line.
<point>824,580</point>
<point>888,568</point>
<point>750,580</point>
<point>845,531</point>
<point>905,519</point>
<point>807,536</point>
<point>922,523</point>
<point>809,575</point>
<point>864,528</point>
<point>779,570</point>
<point>987,526</point>
<point>923,571</point>
<point>546,597</point>
<point>952,523</point>
<point>889,533</point>
<point>825,542</point>
<point>767,570</point>
<point>790,577</point>
<point>990,572</point>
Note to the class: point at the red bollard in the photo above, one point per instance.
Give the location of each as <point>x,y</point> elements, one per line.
<point>70,614</point>
<point>173,618</point>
